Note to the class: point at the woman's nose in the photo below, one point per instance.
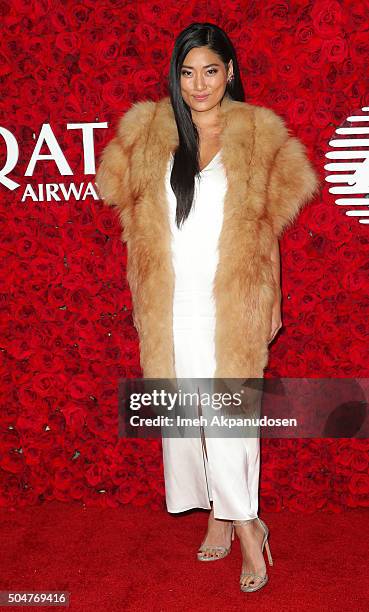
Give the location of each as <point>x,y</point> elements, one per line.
<point>200,83</point>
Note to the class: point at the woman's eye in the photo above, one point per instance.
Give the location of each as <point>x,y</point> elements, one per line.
<point>211,71</point>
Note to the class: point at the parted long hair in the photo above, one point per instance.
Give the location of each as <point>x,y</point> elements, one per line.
<point>186,157</point>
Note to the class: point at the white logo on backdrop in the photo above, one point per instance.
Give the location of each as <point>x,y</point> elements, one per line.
<point>55,191</point>
<point>353,146</point>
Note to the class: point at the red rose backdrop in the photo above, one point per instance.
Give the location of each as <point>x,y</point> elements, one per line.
<point>67,334</point>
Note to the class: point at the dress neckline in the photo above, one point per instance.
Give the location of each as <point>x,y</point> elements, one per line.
<point>207,165</point>
<point>211,161</point>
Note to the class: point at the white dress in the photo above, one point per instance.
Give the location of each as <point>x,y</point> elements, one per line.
<point>227,471</point>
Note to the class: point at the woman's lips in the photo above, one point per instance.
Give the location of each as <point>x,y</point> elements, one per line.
<point>201,97</point>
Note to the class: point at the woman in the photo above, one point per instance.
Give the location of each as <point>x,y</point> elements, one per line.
<point>205,184</point>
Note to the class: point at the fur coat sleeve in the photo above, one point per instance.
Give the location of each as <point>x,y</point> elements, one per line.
<point>292,181</point>
<point>116,184</point>
<point>113,180</point>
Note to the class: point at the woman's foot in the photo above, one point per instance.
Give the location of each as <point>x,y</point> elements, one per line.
<point>251,535</point>
<point>217,542</point>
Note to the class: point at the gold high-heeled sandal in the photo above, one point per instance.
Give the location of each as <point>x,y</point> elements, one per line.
<point>222,551</point>
<point>264,579</point>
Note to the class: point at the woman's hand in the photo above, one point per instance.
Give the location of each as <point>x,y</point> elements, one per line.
<point>276,322</point>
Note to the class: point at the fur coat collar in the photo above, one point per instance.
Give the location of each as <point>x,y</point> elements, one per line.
<point>269,178</point>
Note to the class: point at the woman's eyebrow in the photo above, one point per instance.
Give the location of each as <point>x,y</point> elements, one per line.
<point>207,66</point>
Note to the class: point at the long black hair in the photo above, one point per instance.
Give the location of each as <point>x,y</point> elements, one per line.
<point>186,157</point>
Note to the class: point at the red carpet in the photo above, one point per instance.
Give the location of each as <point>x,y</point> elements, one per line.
<point>135,559</point>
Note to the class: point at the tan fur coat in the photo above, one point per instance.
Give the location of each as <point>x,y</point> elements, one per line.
<point>269,179</point>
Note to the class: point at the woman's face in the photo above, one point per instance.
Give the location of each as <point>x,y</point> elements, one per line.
<point>203,75</point>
